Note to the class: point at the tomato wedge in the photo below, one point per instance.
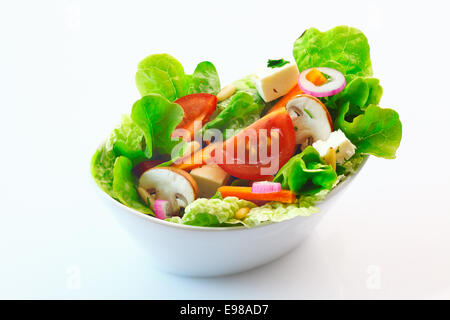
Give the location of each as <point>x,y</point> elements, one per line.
<point>260,150</point>
<point>197,107</point>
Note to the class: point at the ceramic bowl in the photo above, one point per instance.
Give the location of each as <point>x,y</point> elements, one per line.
<point>206,252</point>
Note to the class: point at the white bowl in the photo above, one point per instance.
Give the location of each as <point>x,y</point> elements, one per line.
<point>206,252</point>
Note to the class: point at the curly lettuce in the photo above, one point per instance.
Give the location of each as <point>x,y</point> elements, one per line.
<point>241,112</point>
<point>306,173</point>
<point>377,131</point>
<point>129,140</point>
<point>126,140</point>
<point>212,212</point>
<point>276,212</point>
<point>164,75</point>
<point>221,212</point>
<point>157,117</point>
<point>342,48</point>
<point>246,85</point>
<point>360,92</point>
<point>102,165</point>
<point>373,130</point>
<point>204,79</point>
<point>124,185</point>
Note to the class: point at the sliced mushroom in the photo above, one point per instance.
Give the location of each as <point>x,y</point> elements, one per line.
<point>311,119</point>
<point>171,184</point>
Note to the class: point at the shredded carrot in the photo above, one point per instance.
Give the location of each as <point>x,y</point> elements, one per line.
<point>246,193</point>
<point>285,99</point>
<point>316,77</point>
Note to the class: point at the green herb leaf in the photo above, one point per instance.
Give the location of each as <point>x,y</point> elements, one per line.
<point>276,63</point>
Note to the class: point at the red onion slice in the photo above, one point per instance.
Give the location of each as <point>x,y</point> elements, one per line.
<point>266,187</point>
<point>335,84</point>
<point>160,208</point>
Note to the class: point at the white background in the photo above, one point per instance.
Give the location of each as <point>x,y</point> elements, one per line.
<point>67,74</point>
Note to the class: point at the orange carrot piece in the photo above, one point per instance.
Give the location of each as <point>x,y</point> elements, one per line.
<point>196,160</point>
<point>316,77</point>
<point>285,99</point>
<point>246,193</point>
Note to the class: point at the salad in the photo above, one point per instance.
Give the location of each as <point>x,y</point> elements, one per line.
<point>263,149</point>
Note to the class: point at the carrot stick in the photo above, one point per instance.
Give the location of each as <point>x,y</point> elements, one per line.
<point>196,160</point>
<point>246,193</point>
<point>285,99</point>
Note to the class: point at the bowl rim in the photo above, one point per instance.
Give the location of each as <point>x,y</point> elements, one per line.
<point>223,229</point>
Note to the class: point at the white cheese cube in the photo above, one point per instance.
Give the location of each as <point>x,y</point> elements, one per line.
<point>339,142</point>
<point>209,178</point>
<point>273,83</point>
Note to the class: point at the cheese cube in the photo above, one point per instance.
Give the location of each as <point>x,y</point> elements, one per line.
<point>273,83</point>
<point>209,178</point>
<point>339,142</point>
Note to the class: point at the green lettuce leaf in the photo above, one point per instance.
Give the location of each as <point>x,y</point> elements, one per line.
<point>276,212</point>
<point>351,165</point>
<point>306,173</point>
<point>220,213</point>
<point>310,200</point>
<point>378,131</point>
<point>212,212</point>
<point>342,48</point>
<point>360,92</point>
<point>204,79</point>
<point>245,85</point>
<point>102,165</point>
<point>161,74</point>
<point>164,75</point>
<point>241,112</point>
<point>129,140</point>
<point>157,117</point>
<point>124,185</point>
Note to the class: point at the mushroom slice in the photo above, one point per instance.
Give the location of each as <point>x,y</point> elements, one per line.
<point>311,119</point>
<point>174,185</point>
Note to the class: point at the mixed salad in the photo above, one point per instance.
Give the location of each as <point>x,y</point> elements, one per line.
<point>263,149</point>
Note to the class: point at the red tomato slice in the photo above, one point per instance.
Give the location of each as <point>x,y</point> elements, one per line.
<point>197,107</point>
<point>260,150</point>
